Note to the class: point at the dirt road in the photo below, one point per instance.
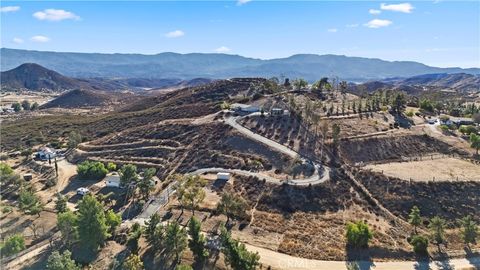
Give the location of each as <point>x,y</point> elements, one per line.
<point>279,261</point>
<point>65,171</point>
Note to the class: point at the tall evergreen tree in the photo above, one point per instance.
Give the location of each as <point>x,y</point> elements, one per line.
<point>92,227</point>
<point>197,241</point>
<point>414,217</point>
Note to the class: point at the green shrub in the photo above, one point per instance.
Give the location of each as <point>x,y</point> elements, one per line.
<point>466,130</point>
<point>420,244</point>
<point>444,128</point>
<point>358,234</point>
<point>91,170</point>
<point>7,209</point>
<point>409,113</point>
<point>111,166</point>
<point>13,245</point>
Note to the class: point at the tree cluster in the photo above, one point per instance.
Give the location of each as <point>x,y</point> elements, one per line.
<point>92,170</point>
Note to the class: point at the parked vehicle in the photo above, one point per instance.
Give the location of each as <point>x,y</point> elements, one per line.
<point>82,191</point>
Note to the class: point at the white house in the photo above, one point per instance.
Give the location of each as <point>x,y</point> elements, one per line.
<point>223,176</point>
<point>46,153</point>
<point>112,180</point>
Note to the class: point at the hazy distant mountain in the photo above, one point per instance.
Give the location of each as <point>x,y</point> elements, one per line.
<point>35,77</point>
<point>216,66</point>
<point>458,81</point>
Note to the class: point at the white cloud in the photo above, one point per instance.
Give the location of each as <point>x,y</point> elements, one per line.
<point>374,11</point>
<point>175,34</point>
<point>404,7</point>
<point>377,23</point>
<point>18,40</point>
<point>332,30</point>
<point>352,25</point>
<point>41,39</point>
<point>222,49</point>
<point>242,2</point>
<point>55,15</point>
<point>9,9</point>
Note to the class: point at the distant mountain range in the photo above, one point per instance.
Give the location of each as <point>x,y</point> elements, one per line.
<point>218,66</point>
<point>459,81</point>
<point>35,77</point>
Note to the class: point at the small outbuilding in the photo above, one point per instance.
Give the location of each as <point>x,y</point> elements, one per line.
<point>278,111</point>
<point>112,180</point>
<point>27,176</point>
<point>223,176</point>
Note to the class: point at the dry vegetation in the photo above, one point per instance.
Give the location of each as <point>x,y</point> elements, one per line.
<point>434,169</point>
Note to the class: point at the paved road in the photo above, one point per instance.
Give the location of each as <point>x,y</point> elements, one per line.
<point>158,201</point>
<point>232,121</point>
<point>313,179</point>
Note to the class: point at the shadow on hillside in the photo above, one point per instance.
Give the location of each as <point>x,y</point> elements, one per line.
<point>402,120</point>
<point>473,257</point>
<point>359,259</point>
<point>422,263</point>
<point>74,182</point>
<point>443,262</point>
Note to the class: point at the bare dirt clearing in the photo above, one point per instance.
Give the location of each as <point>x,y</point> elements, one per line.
<point>445,169</point>
<point>9,98</point>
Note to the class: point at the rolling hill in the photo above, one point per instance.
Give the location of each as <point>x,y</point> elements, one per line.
<point>79,99</point>
<point>35,77</point>
<point>218,66</point>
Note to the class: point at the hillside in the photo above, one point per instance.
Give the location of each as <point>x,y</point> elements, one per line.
<point>458,81</point>
<point>80,98</point>
<point>35,77</point>
<point>218,66</point>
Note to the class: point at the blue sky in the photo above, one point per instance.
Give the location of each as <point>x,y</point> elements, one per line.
<point>437,33</point>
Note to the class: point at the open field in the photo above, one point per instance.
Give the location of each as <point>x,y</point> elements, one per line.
<point>8,98</point>
<point>445,169</point>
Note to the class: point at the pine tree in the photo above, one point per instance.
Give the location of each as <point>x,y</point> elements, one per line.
<point>197,241</point>
<point>414,217</point>
<point>92,227</point>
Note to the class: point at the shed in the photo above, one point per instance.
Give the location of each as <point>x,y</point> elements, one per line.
<point>112,180</point>
<point>223,176</point>
<point>27,176</point>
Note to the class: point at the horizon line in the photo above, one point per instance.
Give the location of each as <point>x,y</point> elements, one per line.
<point>238,55</point>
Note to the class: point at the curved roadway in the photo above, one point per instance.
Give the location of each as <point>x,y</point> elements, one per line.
<point>315,178</point>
